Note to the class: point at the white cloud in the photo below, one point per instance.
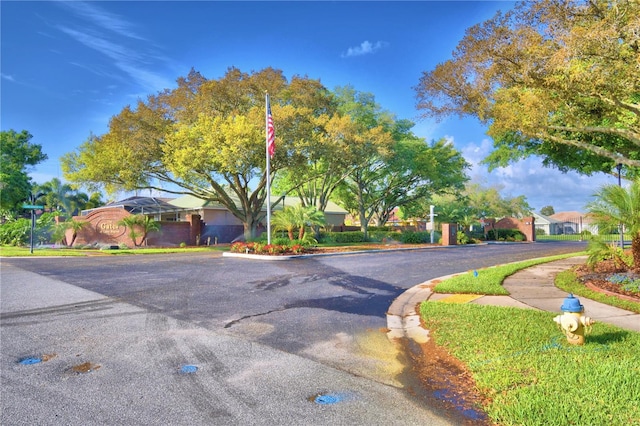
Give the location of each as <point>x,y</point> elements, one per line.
<point>540,185</point>
<point>365,48</point>
<point>114,38</point>
<point>8,77</point>
<point>102,18</point>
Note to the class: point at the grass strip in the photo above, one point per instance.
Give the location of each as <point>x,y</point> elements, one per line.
<point>489,280</point>
<point>568,282</point>
<point>10,251</point>
<point>531,375</point>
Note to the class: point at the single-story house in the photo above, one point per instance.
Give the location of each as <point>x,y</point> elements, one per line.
<point>185,219</point>
<point>567,223</point>
<point>221,224</point>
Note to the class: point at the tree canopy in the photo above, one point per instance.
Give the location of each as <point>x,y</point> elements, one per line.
<point>555,78</point>
<point>204,138</point>
<point>17,152</point>
<point>473,203</point>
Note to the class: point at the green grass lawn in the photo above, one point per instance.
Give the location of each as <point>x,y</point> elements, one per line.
<point>489,280</point>
<point>521,360</point>
<point>11,251</point>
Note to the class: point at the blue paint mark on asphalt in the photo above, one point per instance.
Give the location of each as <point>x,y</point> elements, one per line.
<point>188,369</point>
<point>30,360</point>
<point>327,399</point>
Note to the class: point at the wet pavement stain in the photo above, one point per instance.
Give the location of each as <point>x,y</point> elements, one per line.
<point>84,368</point>
<point>431,378</point>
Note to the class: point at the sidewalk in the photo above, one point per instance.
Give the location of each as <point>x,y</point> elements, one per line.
<point>531,288</point>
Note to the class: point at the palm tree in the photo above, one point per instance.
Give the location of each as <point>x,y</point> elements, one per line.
<point>60,231</point>
<point>297,217</point>
<point>139,225</point>
<point>615,205</point>
<point>55,195</point>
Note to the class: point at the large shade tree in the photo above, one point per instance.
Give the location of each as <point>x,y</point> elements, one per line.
<point>17,153</point>
<point>555,78</point>
<point>205,138</point>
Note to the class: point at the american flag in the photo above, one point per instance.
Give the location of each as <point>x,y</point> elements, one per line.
<point>271,133</point>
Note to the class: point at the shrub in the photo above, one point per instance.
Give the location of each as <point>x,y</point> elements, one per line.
<point>273,249</point>
<point>281,241</point>
<point>505,235</point>
<point>599,250</point>
<point>381,235</point>
<point>462,238</point>
<point>410,237</point>
<point>343,237</point>
<point>15,232</point>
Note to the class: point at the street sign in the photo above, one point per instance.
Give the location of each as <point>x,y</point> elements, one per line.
<point>32,206</point>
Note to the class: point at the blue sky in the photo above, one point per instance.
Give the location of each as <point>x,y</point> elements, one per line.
<point>67,67</point>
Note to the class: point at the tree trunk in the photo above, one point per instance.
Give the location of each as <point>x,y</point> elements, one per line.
<point>635,252</point>
<point>250,229</point>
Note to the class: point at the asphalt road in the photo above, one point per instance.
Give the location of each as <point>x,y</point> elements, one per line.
<point>328,310</point>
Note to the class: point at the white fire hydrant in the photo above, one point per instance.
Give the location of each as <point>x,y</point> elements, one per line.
<point>572,322</point>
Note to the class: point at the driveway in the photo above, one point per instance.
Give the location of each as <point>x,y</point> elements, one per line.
<point>328,312</point>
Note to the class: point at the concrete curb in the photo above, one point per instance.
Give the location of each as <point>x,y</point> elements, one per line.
<point>403,316</point>
<point>301,256</point>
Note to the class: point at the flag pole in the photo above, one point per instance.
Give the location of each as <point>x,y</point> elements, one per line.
<point>268,167</point>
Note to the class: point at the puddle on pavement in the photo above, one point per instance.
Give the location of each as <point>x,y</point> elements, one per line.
<point>84,368</point>
<point>438,384</point>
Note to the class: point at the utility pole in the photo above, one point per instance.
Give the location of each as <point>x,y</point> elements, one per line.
<point>431,216</point>
<point>621,226</point>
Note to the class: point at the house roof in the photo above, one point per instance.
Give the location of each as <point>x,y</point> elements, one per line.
<point>572,216</point>
<point>542,219</point>
<point>192,202</point>
<point>140,205</point>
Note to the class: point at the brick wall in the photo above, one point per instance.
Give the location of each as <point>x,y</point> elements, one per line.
<point>102,228</point>
<point>525,225</point>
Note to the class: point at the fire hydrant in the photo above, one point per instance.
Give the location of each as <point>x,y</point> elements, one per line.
<point>572,322</point>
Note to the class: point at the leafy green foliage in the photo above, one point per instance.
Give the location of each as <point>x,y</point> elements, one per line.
<point>16,232</point>
<point>139,226</point>
<point>568,282</point>
<point>614,205</point>
<point>600,250</point>
<point>297,217</point>
<point>17,152</point>
<point>505,235</point>
<point>343,237</point>
<point>547,211</point>
<point>531,375</point>
<point>410,237</point>
<point>205,138</point>
<point>557,79</point>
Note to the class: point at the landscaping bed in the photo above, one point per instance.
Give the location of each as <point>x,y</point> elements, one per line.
<point>606,278</point>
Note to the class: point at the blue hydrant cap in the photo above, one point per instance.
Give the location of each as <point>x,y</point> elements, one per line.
<point>571,304</point>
